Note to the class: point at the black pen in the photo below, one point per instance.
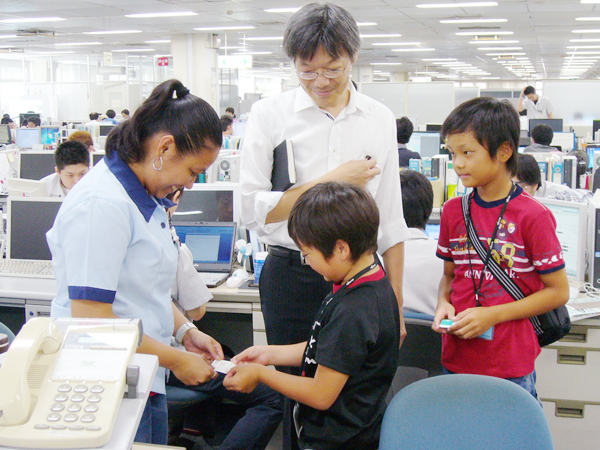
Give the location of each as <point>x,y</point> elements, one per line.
<point>368,157</point>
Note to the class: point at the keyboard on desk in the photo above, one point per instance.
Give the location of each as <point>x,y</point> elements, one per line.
<point>26,268</point>
<point>213,279</point>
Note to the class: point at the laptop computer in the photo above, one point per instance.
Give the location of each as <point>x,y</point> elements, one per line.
<point>212,245</point>
<point>27,252</point>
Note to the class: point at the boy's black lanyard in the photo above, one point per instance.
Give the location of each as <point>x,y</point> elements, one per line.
<point>491,246</point>
<point>352,280</point>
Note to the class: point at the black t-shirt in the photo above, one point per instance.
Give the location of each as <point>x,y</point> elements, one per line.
<point>405,155</point>
<point>356,332</point>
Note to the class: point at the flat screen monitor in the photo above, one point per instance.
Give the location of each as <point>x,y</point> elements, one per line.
<point>97,156</point>
<point>209,202</point>
<point>35,165</point>
<point>22,187</point>
<point>426,143</point>
<point>433,127</point>
<point>50,135</point>
<point>28,137</point>
<point>29,219</point>
<point>564,140</point>
<point>590,149</point>
<point>105,129</point>
<point>555,124</point>
<point>5,136</point>
<point>595,127</point>
<point>27,116</point>
<point>571,229</point>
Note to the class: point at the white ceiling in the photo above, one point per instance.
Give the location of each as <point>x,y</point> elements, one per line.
<point>543,29</point>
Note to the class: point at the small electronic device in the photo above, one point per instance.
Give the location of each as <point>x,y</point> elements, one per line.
<point>65,391</point>
<point>446,323</point>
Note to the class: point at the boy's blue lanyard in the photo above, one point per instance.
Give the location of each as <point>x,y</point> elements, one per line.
<point>491,246</point>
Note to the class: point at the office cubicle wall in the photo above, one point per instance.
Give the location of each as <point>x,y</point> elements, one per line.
<point>574,101</point>
<point>392,95</point>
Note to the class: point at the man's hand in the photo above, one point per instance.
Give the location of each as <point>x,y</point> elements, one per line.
<point>358,172</point>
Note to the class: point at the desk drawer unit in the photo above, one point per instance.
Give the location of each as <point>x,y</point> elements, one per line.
<point>567,384</point>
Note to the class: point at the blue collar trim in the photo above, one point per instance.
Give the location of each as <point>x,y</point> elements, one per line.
<point>145,202</point>
<point>495,203</point>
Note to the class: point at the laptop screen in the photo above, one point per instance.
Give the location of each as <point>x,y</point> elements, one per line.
<point>211,243</point>
<point>28,221</point>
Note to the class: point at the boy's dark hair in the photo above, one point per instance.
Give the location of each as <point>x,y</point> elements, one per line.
<point>69,153</point>
<point>94,116</point>
<point>6,120</point>
<point>226,121</point>
<point>417,198</point>
<point>36,121</point>
<point>404,130</point>
<point>171,108</point>
<point>125,111</point>
<point>230,109</point>
<point>491,121</point>
<point>110,113</point>
<point>529,171</point>
<point>321,25</point>
<point>529,90</point>
<point>542,134</point>
<point>331,211</point>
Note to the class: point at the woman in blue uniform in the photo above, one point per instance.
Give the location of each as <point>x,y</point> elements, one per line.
<point>111,245</point>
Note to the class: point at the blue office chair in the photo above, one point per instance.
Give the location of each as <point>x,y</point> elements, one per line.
<point>464,412</point>
<point>420,354</point>
<point>7,331</point>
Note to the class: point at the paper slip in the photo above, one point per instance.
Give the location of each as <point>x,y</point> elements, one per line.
<point>222,366</point>
<point>582,308</point>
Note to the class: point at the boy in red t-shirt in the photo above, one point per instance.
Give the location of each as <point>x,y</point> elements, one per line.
<point>491,333</point>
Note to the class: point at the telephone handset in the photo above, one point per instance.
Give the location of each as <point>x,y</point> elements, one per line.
<point>65,392</point>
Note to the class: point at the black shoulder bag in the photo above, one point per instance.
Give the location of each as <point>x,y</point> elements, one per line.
<point>550,326</point>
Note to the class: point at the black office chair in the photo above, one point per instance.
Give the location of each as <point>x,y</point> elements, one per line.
<point>420,354</point>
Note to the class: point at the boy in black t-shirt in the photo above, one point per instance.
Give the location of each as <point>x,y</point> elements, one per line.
<point>350,358</point>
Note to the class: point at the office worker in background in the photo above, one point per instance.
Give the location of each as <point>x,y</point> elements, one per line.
<point>422,268</point>
<point>491,333</point>
<point>541,135</point>
<point>112,249</point>
<point>72,161</point>
<point>529,177</point>
<point>337,134</point>
<point>125,114</point>
<point>226,125</point>
<point>534,106</point>
<point>229,110</point>
<point>84,137</point>
<point>110,117</point>
<point>404,130</point>
<point>6,120</point>
<point>33,122</point>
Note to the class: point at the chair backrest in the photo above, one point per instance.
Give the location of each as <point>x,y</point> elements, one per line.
<point>464,412</point>
<point>5,330</point>
<point>420,354</point>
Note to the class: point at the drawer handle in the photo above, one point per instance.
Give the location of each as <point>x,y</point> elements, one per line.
<point>571,356</point>
<point>572,409</point>
<point>575,337</point>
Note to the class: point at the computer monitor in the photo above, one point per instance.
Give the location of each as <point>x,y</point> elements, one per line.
<point>21,187</point>
<point>564,140</point>
<point>433,127</point>
<point>5,135</point>
<point>595,127</point>
<point>28,137</point>
<point>426,143</point>
<point>571,229</point>
<point>50,135</point>
<point>35,165</point>
<point>105,129</point>
<point>28,221</point>
<point>209,202</point>
<point>27,116</point>
<point>97,156</point>
<point>590,149</point>
<point>555,124</point>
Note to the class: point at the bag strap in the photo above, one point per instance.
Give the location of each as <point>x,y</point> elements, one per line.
<point>505,281</point>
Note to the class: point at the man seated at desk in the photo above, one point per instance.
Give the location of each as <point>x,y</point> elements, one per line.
<point>72,161</point>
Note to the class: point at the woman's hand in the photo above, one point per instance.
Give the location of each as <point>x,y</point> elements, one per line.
<point>196,341</point>
<point>192,369</point>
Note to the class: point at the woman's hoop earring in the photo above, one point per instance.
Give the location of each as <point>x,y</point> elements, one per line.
<point>154,163</point>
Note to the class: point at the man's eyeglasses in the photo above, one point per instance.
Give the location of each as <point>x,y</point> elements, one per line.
<point>331,74</point>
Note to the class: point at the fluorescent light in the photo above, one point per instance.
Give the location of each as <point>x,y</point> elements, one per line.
<point>505,54</point>
<point>364,36</point>
<point>270,38</point>
<point>591,52</point>
<point>69,44</point>
<point>282,10</point>
<point>159,41</point>
<point>7,46</point>
<point>413,49</point>
<point>33,19</point>
<point>240,27</point>
<point>113,32</point>
<point>426,73</point>
<point>55,53</point>
<point>457,5</point>
<point>8,36</point>
<point>590,1</point>
<point>490,78</point>
<point>499,48</point>
<point>366,24</point>
<point>579,40</point>
<point>439,59</point>
<point>396,43</point>
<point>583,46</point>
<point>386,64</point>
<point>473,21</point>
<point>484,33</point>
<point>592,58</point>
<point>585,31</point>
<point>485,41</point>
<point>253,53</point>
<point>134,50</point>
<point>238,47</point>
<point>161,14</point>
<point>587,18</point>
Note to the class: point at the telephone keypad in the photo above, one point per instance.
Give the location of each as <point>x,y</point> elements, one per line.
<point>90,408</point>
<point>53,417</point>
<point>59,426</point>
<point>94,398</point>
<point>64,388</point>
<point>71,417</point>
<point>76,427</point>
<point>97,389</point>
<point>76,399</point>
<point>81,388</point>
<point>93,428</point>
<point>87,418</point>
<point>57,407</point>
<point>74,408</point>
<point>61,397</point>
<point>41,426</point>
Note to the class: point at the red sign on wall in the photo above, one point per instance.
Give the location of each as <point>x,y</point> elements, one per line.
<point>164,61</point>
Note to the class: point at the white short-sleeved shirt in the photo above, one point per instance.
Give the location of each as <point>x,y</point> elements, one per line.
<point>539,109</point>
<point>54,186</point>
<point>111,243</point>
<point>320,143</point>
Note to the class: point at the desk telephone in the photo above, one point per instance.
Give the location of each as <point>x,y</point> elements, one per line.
<point>65,391</point>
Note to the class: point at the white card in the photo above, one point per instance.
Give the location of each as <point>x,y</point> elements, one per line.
<point>222,366</point>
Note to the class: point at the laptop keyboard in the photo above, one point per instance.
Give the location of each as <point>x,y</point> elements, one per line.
<point>211,279</point>
<point>20,268</point>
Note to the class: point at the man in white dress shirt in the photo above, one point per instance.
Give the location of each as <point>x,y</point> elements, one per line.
<point>72,161</point>
<point>337,134</point>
